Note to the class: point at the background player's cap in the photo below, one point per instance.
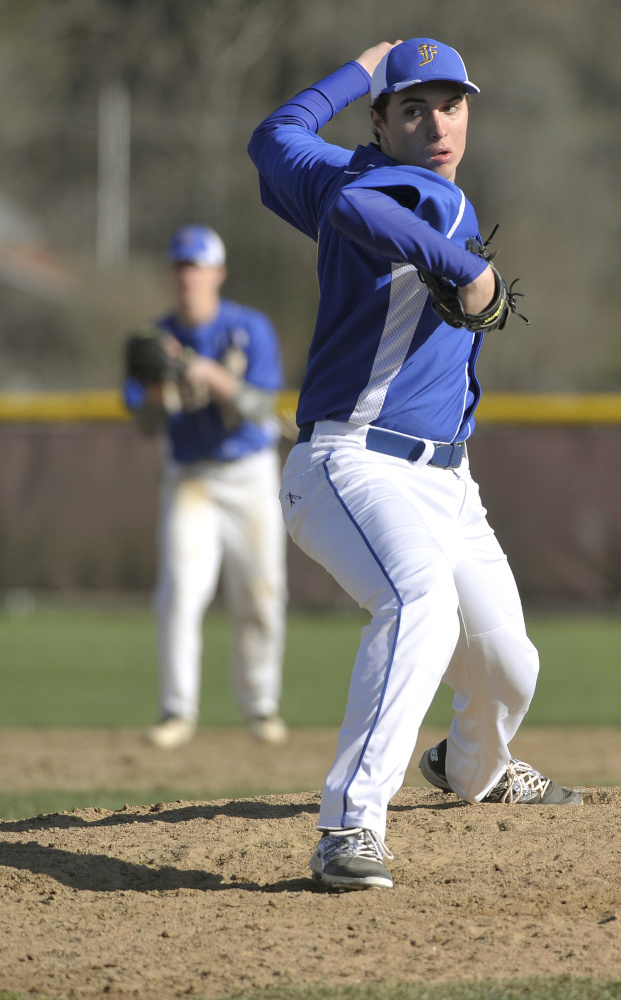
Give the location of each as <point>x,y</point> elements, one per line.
<point>197,245</point>
<point>419,60</point>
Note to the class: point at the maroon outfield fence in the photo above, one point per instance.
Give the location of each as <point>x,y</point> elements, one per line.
<point>78,497</point>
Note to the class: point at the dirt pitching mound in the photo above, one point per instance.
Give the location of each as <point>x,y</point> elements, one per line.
<point>204,899</point>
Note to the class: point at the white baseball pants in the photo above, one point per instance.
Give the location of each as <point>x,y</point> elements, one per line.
<point>222,516</point>
<point>411,544</point>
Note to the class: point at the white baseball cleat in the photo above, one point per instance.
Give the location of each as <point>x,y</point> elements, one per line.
<point>171,733</point>
<point>269,729</point>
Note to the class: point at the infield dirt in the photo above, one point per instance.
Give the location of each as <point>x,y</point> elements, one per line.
<point>207,898</point>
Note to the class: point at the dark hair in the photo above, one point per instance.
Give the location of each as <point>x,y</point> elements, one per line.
<point>380,104</point>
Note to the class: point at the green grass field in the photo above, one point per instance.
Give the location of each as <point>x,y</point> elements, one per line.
<point>97,668</point>
<point>561,988</point>
<point>70,667</point>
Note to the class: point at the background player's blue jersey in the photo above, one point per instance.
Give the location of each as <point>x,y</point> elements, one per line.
<point>203,434</point>
<point>379,354</point>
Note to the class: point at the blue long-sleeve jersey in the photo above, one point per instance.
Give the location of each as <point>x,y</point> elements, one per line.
<point>203,434</point>
<point>379,353</point>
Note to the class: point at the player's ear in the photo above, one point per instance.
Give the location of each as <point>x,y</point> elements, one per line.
<point>379,125</point>
<point>377,120</point>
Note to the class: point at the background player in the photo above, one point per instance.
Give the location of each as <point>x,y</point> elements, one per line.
<point>219,505</point>
<point>378,488</point>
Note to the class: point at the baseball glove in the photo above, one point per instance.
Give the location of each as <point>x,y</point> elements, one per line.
<point>148,361</point>
<point>448,306</point>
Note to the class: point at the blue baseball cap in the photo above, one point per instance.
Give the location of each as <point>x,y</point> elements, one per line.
<point>419,60</point>
<point>197,245</point>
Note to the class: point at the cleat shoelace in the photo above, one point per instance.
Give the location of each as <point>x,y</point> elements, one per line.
<point>523,783</point>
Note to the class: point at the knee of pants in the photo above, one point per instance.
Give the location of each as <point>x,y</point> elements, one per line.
<point>514,662</point>
<point>427,584</point>
<point>528,669</point>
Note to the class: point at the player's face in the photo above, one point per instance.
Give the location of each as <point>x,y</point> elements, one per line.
<point>425,126</point>
<point>194,283</point>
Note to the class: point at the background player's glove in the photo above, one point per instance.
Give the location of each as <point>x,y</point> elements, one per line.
<point>149,362</point>
<point>449,307</point>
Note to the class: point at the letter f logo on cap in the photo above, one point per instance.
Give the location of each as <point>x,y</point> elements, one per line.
<point>427,52</point>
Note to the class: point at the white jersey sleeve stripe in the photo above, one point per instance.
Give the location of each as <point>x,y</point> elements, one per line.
<point>460,214</point>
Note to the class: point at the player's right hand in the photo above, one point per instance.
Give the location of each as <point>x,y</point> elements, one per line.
<point>371,57</point>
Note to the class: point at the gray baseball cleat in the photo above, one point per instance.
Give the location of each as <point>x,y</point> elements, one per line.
<point>520,782</point>
<point>351,859</point>
<point>433,766</point>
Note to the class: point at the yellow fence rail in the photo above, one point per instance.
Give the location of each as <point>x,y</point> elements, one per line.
<point>61,407</point>
<point>549,408</point>
<point>495,407</point>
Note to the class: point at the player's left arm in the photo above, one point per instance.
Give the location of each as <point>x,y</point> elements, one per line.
<point>465,289</point>
<point>376,221</point>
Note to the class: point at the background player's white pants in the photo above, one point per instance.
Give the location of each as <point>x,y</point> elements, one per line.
<point>222,516</point>
<point>411,545</point>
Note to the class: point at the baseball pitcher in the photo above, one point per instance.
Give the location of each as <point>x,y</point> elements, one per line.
<point>378,488</point>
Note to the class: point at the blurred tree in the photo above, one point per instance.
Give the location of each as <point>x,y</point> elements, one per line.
<point>542,161</point>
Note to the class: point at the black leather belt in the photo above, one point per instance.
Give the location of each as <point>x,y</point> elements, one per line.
<point>445,456</point>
